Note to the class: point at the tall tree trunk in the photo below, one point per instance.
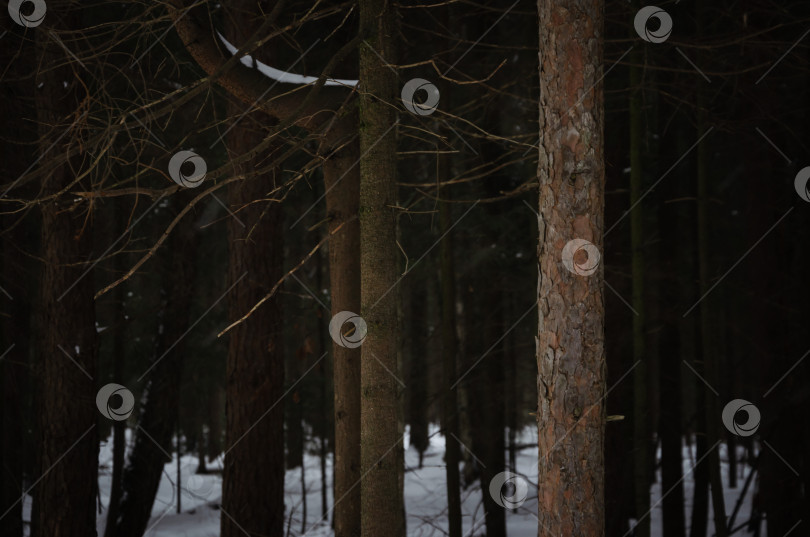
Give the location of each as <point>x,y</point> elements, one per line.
<point>119,427</point>
<point>342,182</point>
<point>641,438</point>
<point>253,476</point>
<point>570,344</point>
<point>158,417</point>
<point>449,351</point>
<point>17,279</point>
<point>67,461</point>
<point>672,220</point>
<point>253,479</point>
<point>381,511</point>
<point>706,327</point>
<point>417,394</point>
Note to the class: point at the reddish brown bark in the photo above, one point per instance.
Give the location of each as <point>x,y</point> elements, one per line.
<point>570,345</point>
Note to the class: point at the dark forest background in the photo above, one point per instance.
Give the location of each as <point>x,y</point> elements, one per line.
<point>113,273</point>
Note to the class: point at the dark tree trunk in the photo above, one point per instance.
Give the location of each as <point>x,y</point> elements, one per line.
<point>119,427</point>
<point>253,480</point>
<point>18,277</point>
<point>570,344</point>
<point>417,363</point>
<point>67,461</point>
<point>158,417</point>
<point>672,221</point>
<point>342,181</point>
<point>452,455</point>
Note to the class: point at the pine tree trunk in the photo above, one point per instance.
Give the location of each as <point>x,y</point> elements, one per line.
<point>417,393</point>
<point>158,417</point>
<point>706,325</point>
<point>253,478</point>
<point>67,461</point>
<point>449,351</point>
<point>18,278</point>
<point>342,182</point>
<point>381,511</point>
<point>570,344</point>
<point>641,438</point>
<point>119,427</point>
<point>671,219</point>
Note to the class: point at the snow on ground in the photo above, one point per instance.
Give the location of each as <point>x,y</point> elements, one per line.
<point>424,496</point>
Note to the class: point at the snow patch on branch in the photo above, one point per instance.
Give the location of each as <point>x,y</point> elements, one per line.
<point>283,76</point>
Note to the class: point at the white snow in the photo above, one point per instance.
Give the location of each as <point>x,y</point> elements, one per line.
<point>283,76</point>
<point>424,496</point>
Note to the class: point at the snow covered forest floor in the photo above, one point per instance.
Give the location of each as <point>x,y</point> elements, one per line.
<point>424,496</point>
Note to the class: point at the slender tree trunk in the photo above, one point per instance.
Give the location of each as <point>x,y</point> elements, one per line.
<point>342,182</point>
<point>641,437</point>
<point>570,344</point>
<point>706,323</point>
<point>381,511</point>
<point>417,395</point>
<point>449,351</point>
<point>671,219</point>
<point>119,427</point>
<point>158,417</point>
<point>67,460</point>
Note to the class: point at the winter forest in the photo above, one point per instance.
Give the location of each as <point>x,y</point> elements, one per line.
<point>368,268</point>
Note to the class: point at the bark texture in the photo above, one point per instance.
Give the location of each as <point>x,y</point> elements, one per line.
<point>381,510</point>
<point>65,492</point>
<point>342,182</point>
<point>570,344</point>
<point>253,494</point>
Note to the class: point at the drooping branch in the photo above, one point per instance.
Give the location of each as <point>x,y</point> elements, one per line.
<point>282,100</point>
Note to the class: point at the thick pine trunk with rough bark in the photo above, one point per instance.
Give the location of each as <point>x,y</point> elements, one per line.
<point>67,461</point>
<point>570,344</point>
<point>381,511</point>
<point>253,479</point>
